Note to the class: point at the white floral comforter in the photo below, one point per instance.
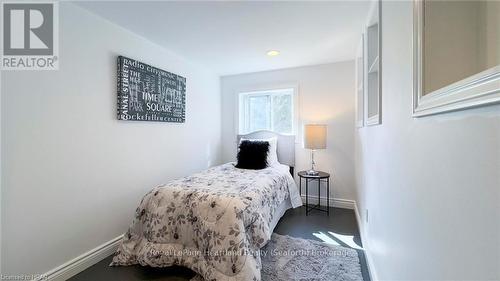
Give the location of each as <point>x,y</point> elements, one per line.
<point>213,222</point>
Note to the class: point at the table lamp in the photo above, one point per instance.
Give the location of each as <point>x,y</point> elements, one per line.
<point>314,138</point>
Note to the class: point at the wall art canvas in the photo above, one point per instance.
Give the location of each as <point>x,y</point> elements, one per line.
<point>147,93</point>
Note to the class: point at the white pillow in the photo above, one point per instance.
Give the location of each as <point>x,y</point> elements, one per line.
<point>272,155</point>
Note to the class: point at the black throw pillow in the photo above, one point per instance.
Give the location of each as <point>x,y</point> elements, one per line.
<point>253,155</point>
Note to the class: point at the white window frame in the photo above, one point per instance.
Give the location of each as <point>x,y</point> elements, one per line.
<point>240,112</point>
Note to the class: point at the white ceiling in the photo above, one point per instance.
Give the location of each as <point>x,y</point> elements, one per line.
<point>233,37</point>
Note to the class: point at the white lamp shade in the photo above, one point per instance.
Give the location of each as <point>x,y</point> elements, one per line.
<point>315,136</point>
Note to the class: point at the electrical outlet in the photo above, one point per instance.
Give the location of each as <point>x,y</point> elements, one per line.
<point>366,215</point>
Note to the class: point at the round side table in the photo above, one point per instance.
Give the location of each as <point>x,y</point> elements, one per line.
<point>321,177</point>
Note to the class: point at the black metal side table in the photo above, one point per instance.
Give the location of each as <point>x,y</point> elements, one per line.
<point>321,177</point>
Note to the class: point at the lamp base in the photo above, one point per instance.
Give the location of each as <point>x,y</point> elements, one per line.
<point>312,173</point>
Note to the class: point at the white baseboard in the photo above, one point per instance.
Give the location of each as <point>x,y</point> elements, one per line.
<point>82,262</point>
<point>366,246</point>
<point>334,202</point>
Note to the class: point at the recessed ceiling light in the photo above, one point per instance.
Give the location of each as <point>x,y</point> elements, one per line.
<point>273,53</point>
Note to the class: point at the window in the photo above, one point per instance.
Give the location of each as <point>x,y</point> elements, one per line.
<point>272,110</point>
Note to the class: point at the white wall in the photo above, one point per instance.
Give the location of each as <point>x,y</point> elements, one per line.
<point>325,96</point>
<point>431,184</point>
<point>73,174</point>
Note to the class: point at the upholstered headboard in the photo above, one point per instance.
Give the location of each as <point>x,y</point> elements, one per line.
<point>285,148</point>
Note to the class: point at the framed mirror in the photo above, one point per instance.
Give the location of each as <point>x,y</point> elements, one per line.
<point>456,55</point>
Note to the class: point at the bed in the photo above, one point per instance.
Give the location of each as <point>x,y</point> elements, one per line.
<point>216,221</point>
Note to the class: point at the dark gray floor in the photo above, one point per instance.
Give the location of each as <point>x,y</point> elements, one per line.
<point>339,228</point>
